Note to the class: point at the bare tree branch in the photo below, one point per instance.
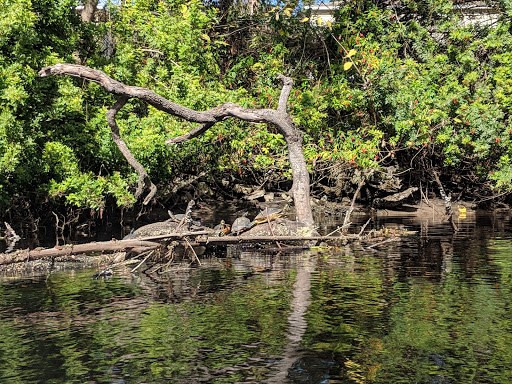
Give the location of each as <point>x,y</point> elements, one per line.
<point>198,131</point>
<point>285,92</point>
<point>117,88</point>
<point>278,118</point>
<point>116,136</point>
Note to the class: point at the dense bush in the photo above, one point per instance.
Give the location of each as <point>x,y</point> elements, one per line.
<point>409,86</point>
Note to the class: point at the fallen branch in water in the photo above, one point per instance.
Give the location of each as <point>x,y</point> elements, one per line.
<point>141,245</point>
<point>391,239</point>
<point>185,239</point>
<point>66,250</point>
<point>265,239</point>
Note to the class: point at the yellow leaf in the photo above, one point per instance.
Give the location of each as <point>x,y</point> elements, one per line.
<point>351,53</point>
<point>319,21</point>
<point>206,37</point>
<point>457,120</point>
<point>287,12</point>
<point>277,16</point>
<point>329,24</point>
<point>347,65</point>
<point>304,19</point>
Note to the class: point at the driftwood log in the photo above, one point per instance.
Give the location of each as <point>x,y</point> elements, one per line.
<point>149,243</point>
<point>186,239</point>
<point>66,250</point>
<point>207,119</point>
<point>394,200</point>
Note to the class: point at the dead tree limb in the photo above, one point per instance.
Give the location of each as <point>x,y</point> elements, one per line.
<point>447,201</point>
<point>103,246</point>
<point>346,221</point>
<point>11,237</point>
<point>277,117</point>
<point>116,136</point>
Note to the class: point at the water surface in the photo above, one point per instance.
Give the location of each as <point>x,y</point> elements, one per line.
<point>433,308</point>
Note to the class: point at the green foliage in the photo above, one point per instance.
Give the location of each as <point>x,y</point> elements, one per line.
<point>86,190</point>
<point>372,88</point>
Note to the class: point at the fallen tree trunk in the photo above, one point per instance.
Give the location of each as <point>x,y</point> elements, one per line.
<point>277,117</point>
<point>145,244</point>
<point>262,239</point>
<point>100,247</point>
<point>186,239</point>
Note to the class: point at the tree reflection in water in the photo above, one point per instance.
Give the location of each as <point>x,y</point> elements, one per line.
<point>431,309</point>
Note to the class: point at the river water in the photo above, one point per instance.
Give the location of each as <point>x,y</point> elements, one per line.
<point>432,308</point>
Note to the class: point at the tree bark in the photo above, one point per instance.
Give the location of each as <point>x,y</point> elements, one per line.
<point>116,136</point>
<point>103,246</point>
<point>87,13</point>
<point>208,118</point>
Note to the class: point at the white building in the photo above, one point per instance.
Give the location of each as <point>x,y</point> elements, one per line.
<point>473,12</point>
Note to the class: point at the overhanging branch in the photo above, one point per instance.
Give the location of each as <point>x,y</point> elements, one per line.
<point>207,119</point>
<point>116,136</point>
<point>198,131</point>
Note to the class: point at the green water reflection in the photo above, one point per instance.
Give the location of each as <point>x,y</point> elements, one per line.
<point>431,309</point>
<point>383,327</point>
<point>78,330</point>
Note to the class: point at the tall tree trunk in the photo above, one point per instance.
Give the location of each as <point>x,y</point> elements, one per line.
<point>87,13</point>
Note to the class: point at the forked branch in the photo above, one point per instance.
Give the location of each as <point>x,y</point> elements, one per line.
<point>207,119</point>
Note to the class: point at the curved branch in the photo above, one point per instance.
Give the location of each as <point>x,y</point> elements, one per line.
<point>213,115</point>
<point>116,136</point>
<point>285,92</point>
<point>278,118</point>
<point>198,131</point>
<point>119,89</point>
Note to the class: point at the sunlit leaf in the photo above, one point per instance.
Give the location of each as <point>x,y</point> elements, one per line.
<point>304,19</point>
<point>351,53</point>
<point>457,120</point>
<point>277,16</point>
<point>329,24</point>
<point>206,37</point>
<point>287,12</point>
<point>347,65</point>
<point>319,21</point>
